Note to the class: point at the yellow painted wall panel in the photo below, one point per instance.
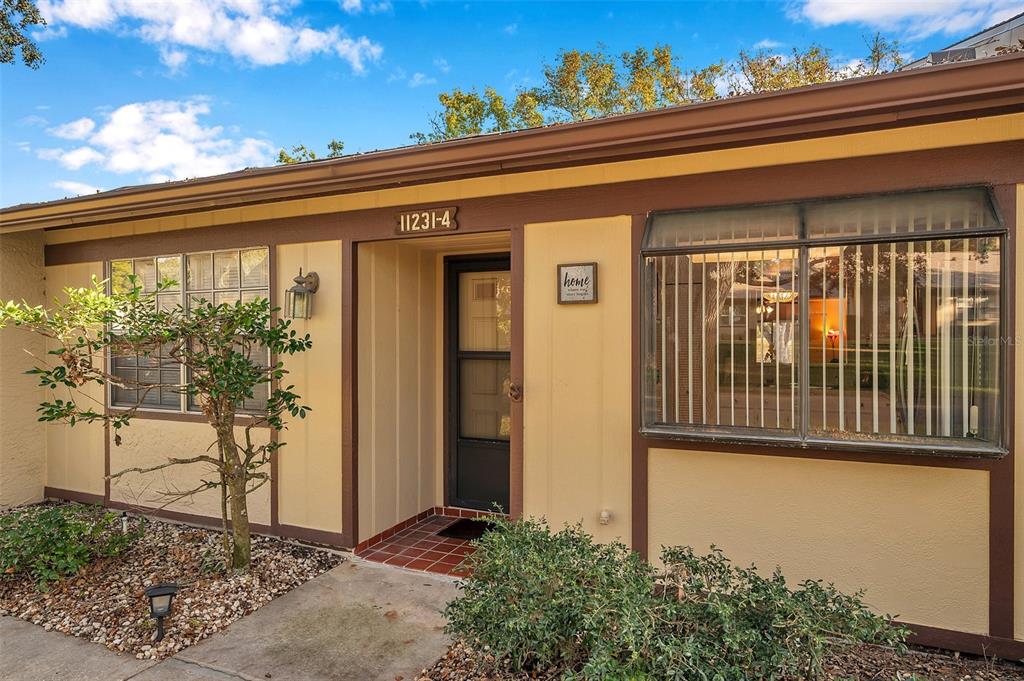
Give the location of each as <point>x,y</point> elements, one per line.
<point>148,442</point>
<point>915,537</point>
<point>309,471</point>
<point>75,455</point>
<point>576,388</point>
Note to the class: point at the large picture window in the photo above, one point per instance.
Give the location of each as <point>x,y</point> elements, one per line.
<point>873,320</point>
<point>214,276</point>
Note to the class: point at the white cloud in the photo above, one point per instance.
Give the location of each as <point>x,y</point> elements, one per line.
<point>357,6</point>
<point>767,44</point>
<point>73,159</point>
<point>915,18</point>
<point>23,146</point>
<point>419,79</point>
<point>76,188</point>
<point>75,130</point>
<point>259,32</point>
<point>33,120</point>
<point>163,140</point>
<point>511,29</point>
<point>398,73</point>
<point>173,58</point>
<point>442,65</point>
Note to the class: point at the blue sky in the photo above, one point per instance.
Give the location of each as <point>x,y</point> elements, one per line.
<point>137,91</point>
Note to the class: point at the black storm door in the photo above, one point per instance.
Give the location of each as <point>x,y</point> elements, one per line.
<point>479,344</point>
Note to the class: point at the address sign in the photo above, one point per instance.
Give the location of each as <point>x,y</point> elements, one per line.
<point>429,220</point>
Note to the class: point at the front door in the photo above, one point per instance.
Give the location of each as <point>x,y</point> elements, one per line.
<point>479,343</point>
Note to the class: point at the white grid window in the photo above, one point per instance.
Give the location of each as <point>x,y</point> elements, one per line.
<point>226,276</point>
<point>868,320</point>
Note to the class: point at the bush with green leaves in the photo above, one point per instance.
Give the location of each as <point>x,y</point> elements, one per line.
<point>560,603</point>
<point>50,542</point>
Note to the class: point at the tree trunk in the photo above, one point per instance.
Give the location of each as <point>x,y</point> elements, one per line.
<point>234,478</point>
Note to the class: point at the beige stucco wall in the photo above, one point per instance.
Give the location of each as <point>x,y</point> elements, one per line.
<point>149,442</point>
<point>309,473</point>
<point>576,395</point>
<point>915,538</point>
<point>75,455</point>
<point>22,438</point>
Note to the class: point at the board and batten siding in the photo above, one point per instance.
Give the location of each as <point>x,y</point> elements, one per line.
<point>309,473</point>
<point>576,384</point>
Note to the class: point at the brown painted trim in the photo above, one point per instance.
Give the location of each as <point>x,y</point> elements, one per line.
<point>106,462</point>
<point>311,536</point>
<point>1002,542</point>
<point>893,457</point>
<point>188,518</point>
<point>990,164</point>
<point>275,497</point>
<point>72,495</point>
<point>968,90</point>
<point>639,472</point>
<point>518,363</point>
<point>976,644</point>
<point>349,383</point>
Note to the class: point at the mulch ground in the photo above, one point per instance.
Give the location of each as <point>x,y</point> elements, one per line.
<point>860,663</point>
<point>105,602</point>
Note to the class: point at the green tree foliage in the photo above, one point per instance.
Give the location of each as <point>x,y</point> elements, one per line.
<point>583,85</point>
<point>300,152</point>
<point>17,17</point>
<point>223,347</point>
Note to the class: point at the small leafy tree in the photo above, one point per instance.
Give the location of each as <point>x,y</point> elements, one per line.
<point>223,348</point>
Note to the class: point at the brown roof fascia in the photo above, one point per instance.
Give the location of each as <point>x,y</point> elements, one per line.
<point>955,91</point>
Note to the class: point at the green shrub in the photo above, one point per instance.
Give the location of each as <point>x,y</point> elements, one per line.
<point>557,602</point>
<point>50,542</point>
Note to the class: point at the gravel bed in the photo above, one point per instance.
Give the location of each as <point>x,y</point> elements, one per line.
<point>105,601</point>
<point>860,662</point>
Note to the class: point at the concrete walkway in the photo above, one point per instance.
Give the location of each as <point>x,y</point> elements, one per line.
<point>360,621</point>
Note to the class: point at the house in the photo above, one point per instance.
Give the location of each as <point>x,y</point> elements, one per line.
<point>994,40</point>
<point>783,324</point>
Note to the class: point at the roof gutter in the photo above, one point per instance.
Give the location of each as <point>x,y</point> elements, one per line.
<point>957,91</point>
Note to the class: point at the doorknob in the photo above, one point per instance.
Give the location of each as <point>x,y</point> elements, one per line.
<point>515,392</point>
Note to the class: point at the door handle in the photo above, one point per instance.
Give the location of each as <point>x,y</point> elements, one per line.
<point>515,392</point>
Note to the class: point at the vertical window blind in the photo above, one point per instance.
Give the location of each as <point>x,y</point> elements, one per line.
<point>874,319</point>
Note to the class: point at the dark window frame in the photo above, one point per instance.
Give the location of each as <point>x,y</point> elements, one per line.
<point>803,243</point>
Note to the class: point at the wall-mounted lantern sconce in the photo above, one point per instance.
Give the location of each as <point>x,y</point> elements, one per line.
<point>298,302</point>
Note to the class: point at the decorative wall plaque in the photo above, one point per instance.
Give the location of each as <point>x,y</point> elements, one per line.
<point>577,283</point>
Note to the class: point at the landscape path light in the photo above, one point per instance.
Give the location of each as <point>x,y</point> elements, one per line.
<point>160,598</point>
